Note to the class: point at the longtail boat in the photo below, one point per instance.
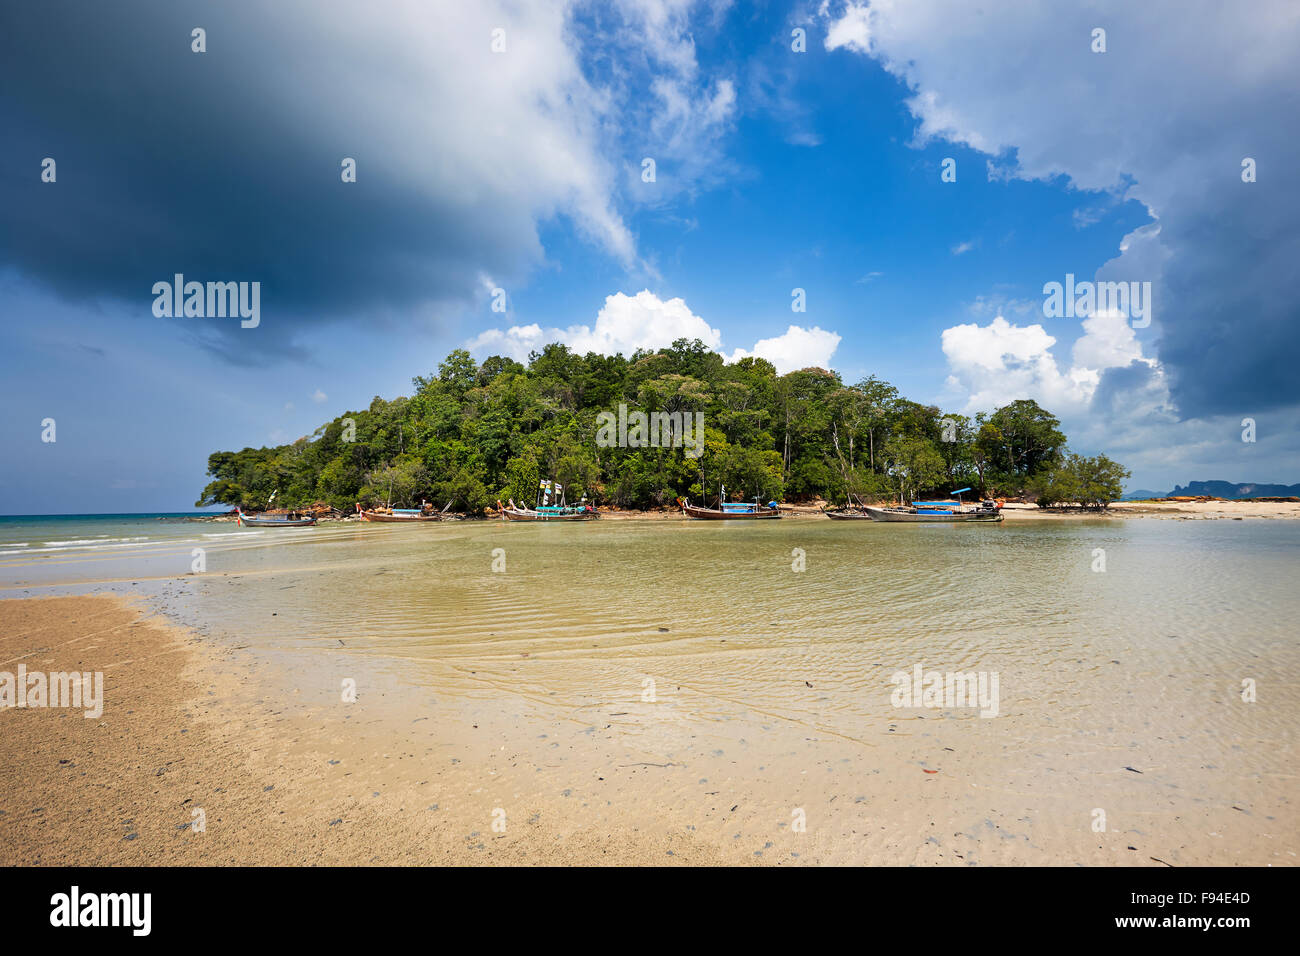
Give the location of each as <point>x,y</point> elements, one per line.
<point>729,510</point>
<point>547,512</point>
<point>847,513</point>
<point>271,521</point>
<point>543,510</point>
<point>925,512</point>
<point>402,515</point>
<point>925,516</point>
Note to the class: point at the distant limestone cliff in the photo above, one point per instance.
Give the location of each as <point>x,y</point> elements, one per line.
<point>1232,489</point>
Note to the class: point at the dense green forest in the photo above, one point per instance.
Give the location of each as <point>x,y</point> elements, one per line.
<point>476,432</point>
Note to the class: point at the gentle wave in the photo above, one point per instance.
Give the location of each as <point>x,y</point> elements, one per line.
<point>100,540</point>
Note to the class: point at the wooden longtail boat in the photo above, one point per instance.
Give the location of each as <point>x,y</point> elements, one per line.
<point>400,515</point>
<point>543,510</point>
<point>730,510</point>
<point>926,516</point>
<point>547,512</point>
<point>847,514</point>
<point>271,522</point>
<point>849,511</point>
<point>925,512</point>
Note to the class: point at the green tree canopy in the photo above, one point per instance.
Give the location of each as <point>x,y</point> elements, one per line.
<point>474,432</point>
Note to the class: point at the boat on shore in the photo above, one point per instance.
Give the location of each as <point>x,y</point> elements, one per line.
<point>729,510</point>
<point>544,510</point>
<point>855,509</point>
<point>926,512</point>
<point>401,515</point>
<point>272,521</point>
<point>926,516</point>
<point>847,513</point>
<point>513,512</point>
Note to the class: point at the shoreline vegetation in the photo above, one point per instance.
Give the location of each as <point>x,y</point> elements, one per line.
<point>474,433</point>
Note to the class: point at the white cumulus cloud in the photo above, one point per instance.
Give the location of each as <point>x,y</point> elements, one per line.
<point>796,348</point>
<point>991,365</point>
<point>851,30</point>
<point>645,321</point>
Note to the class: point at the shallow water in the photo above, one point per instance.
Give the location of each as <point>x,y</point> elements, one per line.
<point>702,638</point>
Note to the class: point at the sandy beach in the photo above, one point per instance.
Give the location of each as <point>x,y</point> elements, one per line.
<point>187,728</point>
<point>283,774</point>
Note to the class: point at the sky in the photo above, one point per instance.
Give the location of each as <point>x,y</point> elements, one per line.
<point>880,188</point>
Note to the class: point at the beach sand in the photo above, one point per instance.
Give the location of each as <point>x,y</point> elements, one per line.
<point>1175,510</point>
<point>186,727</point>
<point>283,777</point>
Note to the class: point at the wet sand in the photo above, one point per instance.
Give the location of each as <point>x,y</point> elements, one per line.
<point>188,727</point>
<point>286,774</point>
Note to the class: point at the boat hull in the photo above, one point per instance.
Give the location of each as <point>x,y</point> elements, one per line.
<point>399,519</point>
<point>518,515</point>
<point>891,514</point>
<point>713,514</point>
<point>847,515</point>
<point>515,513</point>
<point>277,523</point>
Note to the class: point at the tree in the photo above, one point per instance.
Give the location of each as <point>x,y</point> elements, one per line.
<point>1087,482</point>
<point>1019,441</point>
<point>474,433</point>
<point>403,484</point>
<point>914,463</point>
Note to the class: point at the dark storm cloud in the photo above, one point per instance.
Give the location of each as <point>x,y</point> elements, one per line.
<point>1186,91</point>
<point>225,165</point>
<point>1117,386</point>
<point>1229,337</point>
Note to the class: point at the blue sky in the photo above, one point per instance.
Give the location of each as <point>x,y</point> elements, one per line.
<point>521,170</point>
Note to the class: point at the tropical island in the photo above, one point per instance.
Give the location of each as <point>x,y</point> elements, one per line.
<point>474,433</point>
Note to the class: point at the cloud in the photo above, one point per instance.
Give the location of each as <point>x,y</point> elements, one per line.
<point>962,247</point>
<point>319,397</point>
<point>681,115</point>
<point>851,30</point>
<point>461,153</point>
<point>1019,81</point>
<point>645,321</point>
<point>624,324</point>
<point>794,349</point>
<point>997,363</point>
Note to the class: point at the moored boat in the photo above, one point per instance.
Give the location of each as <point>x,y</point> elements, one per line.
<point>400,515</point>
<point>925,512</point>
<point>925,516</point>
<point>851,510</point>
<point>544,510</point>
<point>730,510</point>
<point>513,512</point>
<point>271,521</point>
<point>847,514</point>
